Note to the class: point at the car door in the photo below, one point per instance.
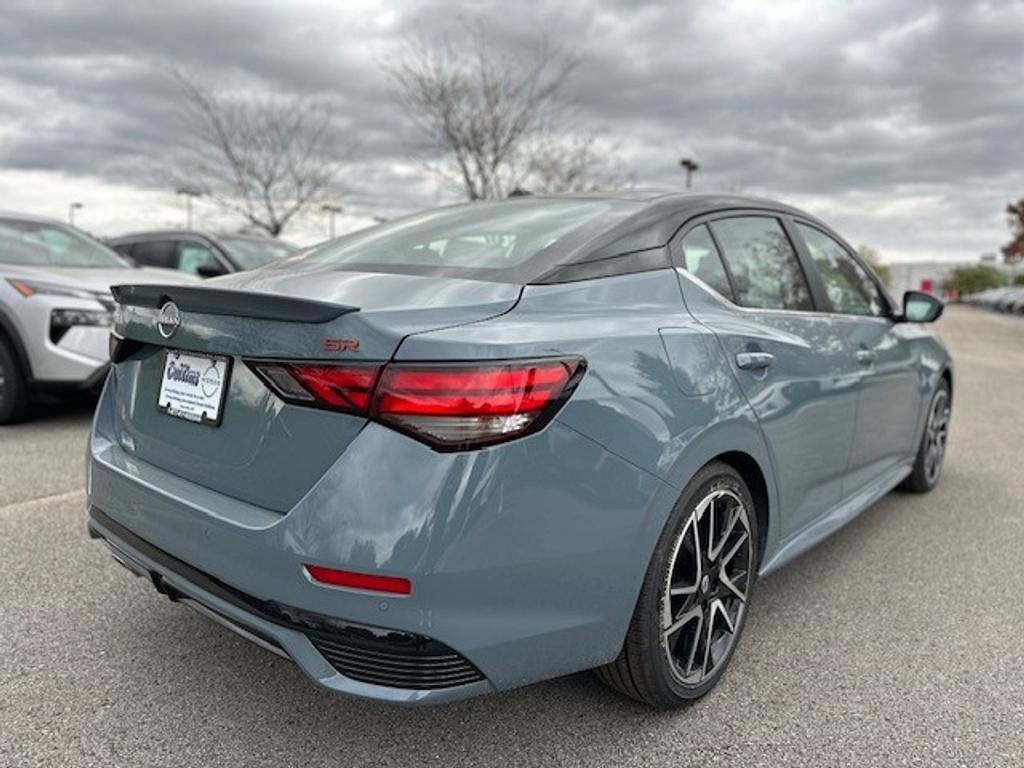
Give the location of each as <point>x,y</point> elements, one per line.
<point>889,392</point>
<point>792,362</point>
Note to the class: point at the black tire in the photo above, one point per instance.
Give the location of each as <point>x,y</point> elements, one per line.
<point>932,450</point>
<point>14,401</point>
<point>644,669</point>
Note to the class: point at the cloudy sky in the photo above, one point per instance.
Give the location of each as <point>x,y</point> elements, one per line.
<point>901,123</point>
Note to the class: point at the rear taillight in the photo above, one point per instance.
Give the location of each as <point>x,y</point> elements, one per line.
<point>338,387</point>
<point>450,406</point>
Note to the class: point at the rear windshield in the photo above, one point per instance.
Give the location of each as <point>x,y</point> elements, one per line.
<point>39,243</point>
<point>513,241</point>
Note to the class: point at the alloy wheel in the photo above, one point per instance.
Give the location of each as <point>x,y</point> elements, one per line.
<point>936,436</point>
<point>705,594</point>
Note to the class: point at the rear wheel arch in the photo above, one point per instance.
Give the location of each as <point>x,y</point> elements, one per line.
<point>754,477</point>
<point>947,374</point>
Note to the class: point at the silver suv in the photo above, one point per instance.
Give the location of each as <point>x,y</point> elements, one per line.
<point>55,309</point>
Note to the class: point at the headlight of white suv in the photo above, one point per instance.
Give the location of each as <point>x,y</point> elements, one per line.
<point>63,320</point>
<point>32,288</point>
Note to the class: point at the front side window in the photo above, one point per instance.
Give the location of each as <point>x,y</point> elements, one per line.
<point>702,260</point>
<point>192,256</point>
<point>849,288</point>
<point>764,266</point>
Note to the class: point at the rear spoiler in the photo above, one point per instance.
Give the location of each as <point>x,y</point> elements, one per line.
<point>216,301</point>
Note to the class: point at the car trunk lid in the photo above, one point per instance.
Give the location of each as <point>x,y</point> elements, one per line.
<point>264,451</point>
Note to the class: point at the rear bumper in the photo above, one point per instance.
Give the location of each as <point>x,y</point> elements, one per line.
<point>369,662</point>
<point>525,559</point>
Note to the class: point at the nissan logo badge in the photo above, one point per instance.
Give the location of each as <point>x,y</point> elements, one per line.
<point>169,320</point>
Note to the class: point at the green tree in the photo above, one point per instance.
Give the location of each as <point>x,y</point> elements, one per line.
<point>1013,251</point>
<point>873,260</point>
<point>1019,279</point>
<point>965,280</point>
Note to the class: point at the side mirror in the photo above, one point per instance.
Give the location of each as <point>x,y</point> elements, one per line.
<point>919,307</point>
<point>210,269</point>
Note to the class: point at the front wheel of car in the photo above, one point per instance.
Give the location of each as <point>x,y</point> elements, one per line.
<point>14,401</point>
<point>693,604</point>
<point>931,453</point>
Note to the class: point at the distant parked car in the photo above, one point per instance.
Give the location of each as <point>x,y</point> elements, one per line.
<point>200,253</point>
<point>55,309</point>
<point>989,299</point>
<point>1009,301</point>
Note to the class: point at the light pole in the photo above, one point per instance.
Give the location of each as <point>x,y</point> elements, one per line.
<point>189,193</point>
<point>691,167</point>
<point>330,210</point>
<point>71,212</point>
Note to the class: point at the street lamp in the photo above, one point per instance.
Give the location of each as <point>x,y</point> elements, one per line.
<point>71,212</point>
<point>189,193</point>
<point>331,210</point>
<point>691,166</point>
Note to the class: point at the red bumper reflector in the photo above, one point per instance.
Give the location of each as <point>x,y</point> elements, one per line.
<point>393,584</point>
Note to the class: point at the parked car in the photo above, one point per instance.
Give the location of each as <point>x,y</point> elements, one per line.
<point>495,443</point>
<point>55,309</point>
<point>200,253</point>
<point>1008,301</point>
<point>990,298</point>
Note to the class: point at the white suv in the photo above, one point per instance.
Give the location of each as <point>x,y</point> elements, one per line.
<point>55,309</point>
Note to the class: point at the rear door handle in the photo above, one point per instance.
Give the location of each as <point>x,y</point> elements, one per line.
<point>866,356</point>
<point>750,361</point>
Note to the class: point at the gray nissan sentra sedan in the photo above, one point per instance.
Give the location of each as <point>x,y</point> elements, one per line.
<point>495,443</point>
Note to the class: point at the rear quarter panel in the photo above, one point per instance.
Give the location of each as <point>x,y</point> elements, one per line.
<point>657,392</point>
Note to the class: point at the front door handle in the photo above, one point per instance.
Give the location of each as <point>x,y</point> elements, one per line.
<point>750,361</point>
<point>866,356</point>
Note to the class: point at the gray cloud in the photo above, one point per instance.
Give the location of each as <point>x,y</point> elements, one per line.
<point>901,121</point>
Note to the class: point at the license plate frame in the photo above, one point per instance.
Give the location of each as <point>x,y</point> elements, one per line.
<point>190,400</point>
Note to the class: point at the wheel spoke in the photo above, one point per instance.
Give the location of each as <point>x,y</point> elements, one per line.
<point>710,619</point>
<point>697,634</point>
<point>714,552</point>
<point>735,548</point>
<point>729,584</point>
<point>718,607</point>
<point>676,591</point>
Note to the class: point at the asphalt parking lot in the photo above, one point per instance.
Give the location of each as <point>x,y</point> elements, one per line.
<point>900,641</point>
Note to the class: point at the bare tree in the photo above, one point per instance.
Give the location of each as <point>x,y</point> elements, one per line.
<point>263,158</point>
<point>495,117</point>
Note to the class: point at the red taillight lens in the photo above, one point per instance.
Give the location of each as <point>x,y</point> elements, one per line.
<point>393,584</point>
<point>462,405</point>
<point>340,387</point>
<point>450,406</point>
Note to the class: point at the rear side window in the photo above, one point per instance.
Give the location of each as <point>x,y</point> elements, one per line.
<point>156,253</point>
<point>849,288</point>
<point>701,258</point>
<point>764,266</point>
